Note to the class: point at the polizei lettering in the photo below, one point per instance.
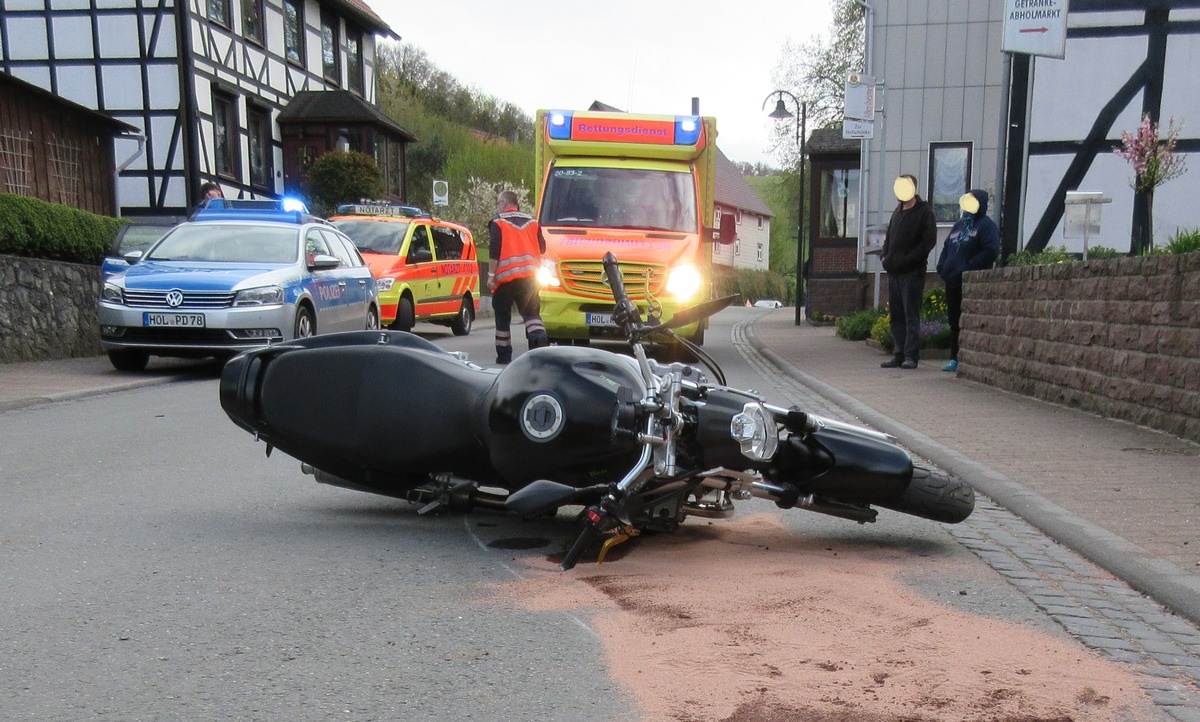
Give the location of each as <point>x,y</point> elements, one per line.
<point>330,293</point>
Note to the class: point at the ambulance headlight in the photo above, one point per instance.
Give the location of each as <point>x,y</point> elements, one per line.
<point>384,284</point>
<point>547,275</point>
<point>684,282</point>
<point>754,430</point>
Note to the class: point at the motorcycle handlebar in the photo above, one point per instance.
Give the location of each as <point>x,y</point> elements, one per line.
<point>615,280</point>
<point>585,537</point>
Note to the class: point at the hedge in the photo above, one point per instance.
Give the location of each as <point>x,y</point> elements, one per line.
<point>51,231</point>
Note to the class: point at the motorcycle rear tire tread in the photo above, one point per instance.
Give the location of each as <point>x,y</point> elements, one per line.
<point>935,496</point>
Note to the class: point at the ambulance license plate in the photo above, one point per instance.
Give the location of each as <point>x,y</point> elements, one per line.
<point>600,319</point>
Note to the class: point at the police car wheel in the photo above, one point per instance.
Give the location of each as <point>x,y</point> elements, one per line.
<point>129,359</point>
<point>305,324</point>
<point>461,325</point>
<point>372,319</point>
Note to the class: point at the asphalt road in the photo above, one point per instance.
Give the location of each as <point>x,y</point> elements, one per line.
<point>159,566</point>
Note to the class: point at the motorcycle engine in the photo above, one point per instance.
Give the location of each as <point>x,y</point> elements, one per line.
<point>553,416</point>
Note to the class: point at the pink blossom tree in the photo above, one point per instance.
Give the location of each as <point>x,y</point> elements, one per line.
<point>1154,162</point>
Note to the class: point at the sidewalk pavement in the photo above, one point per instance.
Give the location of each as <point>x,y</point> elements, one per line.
<point>1123,496</point>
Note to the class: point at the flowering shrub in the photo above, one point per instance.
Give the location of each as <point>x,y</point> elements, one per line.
<point>1153,159</point>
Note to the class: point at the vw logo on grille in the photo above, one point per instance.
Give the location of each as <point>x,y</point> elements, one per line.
<point>175,299</point>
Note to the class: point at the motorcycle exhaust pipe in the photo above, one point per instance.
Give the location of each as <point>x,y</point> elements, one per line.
<point>783,494</point>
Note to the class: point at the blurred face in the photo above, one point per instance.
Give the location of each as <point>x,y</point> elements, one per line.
<point>904,189</point>
<point>969,203</point>
<point>214,193</point>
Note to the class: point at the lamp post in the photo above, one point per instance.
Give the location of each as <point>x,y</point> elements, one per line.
<point>781,113</point>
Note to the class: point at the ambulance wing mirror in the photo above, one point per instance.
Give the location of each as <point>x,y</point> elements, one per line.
<point>726,233</point>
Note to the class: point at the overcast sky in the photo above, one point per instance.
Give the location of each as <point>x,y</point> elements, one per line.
<point>647,56</point>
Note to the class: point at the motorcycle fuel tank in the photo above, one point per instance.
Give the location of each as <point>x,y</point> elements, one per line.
<point>552,417</point>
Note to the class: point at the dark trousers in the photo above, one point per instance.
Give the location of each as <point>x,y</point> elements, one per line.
<point>905,292</point>
<point>524,293</point>
<point>953,315</point>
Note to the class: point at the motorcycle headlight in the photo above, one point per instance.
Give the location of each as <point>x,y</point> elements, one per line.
<point>384,284</point>
<point>547,275</point>
<point>112,293</point>
<point>262,296</point>
<point>684,282</point>
<point>754,429</point>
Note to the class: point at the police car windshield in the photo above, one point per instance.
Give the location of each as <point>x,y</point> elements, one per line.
<point>374,236</point>
<point>228,243</point>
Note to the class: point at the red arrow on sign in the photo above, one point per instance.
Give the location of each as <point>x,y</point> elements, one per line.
<point>1034,30</point>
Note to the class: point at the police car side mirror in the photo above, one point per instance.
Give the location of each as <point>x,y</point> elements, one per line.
<point>132,257</point>
<point>322,262</point>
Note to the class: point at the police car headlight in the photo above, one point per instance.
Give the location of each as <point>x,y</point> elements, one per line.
<point>754,430</point>
<point>547,275</point>
<point>112,293</point>
<point>384,284</point>
<point>684,282</point>
<point>262,296</point>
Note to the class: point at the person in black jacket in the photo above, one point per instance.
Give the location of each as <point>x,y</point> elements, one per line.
<point>973,244</point>
<point>911,235</point>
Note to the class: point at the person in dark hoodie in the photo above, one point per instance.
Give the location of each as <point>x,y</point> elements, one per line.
<point>911,235</point>
<point>973,244</point>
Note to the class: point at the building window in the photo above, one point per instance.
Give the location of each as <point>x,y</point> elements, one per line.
<point>293,30</point>
<point>760,222</point>
<point>218,11</point>
<point>737,248</point>
<point>949,178</point>
<point>839,202</point>
<point>737,214</point>
<point>354,60</point>
<point>330,66</point>
<point>760,252</point>
<point>258,122</point>
<point>252,21</point>
<point>225,136</point>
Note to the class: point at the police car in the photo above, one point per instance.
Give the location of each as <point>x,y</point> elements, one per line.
<point>425,267</point>
<point>239,275</point>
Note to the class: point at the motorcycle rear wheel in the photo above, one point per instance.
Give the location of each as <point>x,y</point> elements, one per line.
<point>935,496</point>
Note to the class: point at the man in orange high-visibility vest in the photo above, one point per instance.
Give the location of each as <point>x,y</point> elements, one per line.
<point>515,251</point>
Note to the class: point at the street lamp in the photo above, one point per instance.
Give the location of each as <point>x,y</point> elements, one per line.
<point>780,113</point>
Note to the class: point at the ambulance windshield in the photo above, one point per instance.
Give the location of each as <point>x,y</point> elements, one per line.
<point>628,198</point>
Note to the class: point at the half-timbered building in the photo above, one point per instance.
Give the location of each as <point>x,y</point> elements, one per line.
<point>205,82</point>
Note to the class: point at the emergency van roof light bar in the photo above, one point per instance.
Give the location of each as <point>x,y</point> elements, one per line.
<point>381,209</point>
<point>612,128</point>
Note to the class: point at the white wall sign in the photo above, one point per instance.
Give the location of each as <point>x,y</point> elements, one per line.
<point>859,116</point>
<point>441,193</point>
<point>1035,27</point>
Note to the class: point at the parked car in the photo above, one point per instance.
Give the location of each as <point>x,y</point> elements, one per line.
<point>240,275</point>
<point>425,267</point>
<point>137,235</point>
<point>768,303</point>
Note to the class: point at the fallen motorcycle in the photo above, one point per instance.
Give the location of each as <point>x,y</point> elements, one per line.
<point>640,444</point>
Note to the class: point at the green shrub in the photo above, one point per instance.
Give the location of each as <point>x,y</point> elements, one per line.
<point>342,177</point>
<point>881,332</point>
<point>933,306</point>
<point>1184,241</point>
<point>1046,257</point>
<point>751,284</point>
<point>36,229</point>
<point>1102,252</point>
<point>857,327</point>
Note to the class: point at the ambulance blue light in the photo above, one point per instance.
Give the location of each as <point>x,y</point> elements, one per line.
<point>687,129</point>
<point>559,125</point>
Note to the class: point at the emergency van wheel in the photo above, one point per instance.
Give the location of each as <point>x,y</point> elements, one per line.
<point>461,325</point>
<point>128,359</point>
<point>406,315</point>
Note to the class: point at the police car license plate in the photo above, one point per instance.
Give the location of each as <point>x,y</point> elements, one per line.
<point>189,320</point>
<point>600,319</point>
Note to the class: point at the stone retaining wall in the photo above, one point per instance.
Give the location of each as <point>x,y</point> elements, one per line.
<point>1119,338</point>
<point>47,310</point>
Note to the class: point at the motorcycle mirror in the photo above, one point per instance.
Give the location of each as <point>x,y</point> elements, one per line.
<point>539,496</point>
<point>699,313</point>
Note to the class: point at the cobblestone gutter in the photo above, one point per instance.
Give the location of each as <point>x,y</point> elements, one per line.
<point>1119,338</point>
